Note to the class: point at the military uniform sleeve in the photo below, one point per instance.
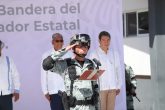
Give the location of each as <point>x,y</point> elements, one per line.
<point>54,62</point>
<point>133,78</point>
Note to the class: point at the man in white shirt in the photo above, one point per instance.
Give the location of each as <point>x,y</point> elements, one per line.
<point>9,81</point>
<point>110,81</point>
<point>52,83</point>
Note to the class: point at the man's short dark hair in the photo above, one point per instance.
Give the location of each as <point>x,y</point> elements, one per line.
<point>55,35</point>
<point>104,33</point>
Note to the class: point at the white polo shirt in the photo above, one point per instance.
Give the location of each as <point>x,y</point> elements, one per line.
<point>9,77</point>
<point>110,62</point>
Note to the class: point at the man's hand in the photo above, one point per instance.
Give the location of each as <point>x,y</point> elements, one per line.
<point>15,96</point>
<point>117,91</point>
<point>70,46</point>
<point>47,97</point>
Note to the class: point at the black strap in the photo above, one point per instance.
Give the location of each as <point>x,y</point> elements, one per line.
<point>71,87</point>
<point>68,60</point>
<point>84,102</point>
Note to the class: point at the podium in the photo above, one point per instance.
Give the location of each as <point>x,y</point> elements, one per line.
<point>91,74</point>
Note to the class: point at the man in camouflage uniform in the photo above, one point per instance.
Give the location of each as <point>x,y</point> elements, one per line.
<point>80,94</point>
<point>131,84</point>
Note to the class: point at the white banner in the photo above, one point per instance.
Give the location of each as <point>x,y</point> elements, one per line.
<point>26,27</point>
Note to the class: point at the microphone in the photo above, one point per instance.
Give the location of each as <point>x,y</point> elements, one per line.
<point>97,62</point>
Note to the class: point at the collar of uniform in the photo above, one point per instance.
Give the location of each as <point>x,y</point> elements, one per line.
<point>86,63</point>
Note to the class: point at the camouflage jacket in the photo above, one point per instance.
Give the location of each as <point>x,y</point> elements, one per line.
<point>130,78</point>
<point>70,70</point>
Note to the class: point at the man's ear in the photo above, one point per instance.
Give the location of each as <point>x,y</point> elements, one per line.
<point>1,44</point>
<point>52,42</point>
<point>99,41</point>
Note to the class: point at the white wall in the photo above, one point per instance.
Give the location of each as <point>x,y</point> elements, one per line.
<point>150,91</point>
<point>136,48</point>
<point>131,5</point>
<point>144,93</point>
<point>158,76</point>
<point>137,55</point>
<point>139,46</point>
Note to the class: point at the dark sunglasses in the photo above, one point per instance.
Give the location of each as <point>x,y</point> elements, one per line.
<point>59,41</point>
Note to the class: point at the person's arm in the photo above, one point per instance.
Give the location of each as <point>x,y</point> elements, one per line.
<point>44,84</point>
<point>118,72</point>
<point>44,79</point>
<point>50,62</point>
<point>53,62</point>
<point>16,80</point>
